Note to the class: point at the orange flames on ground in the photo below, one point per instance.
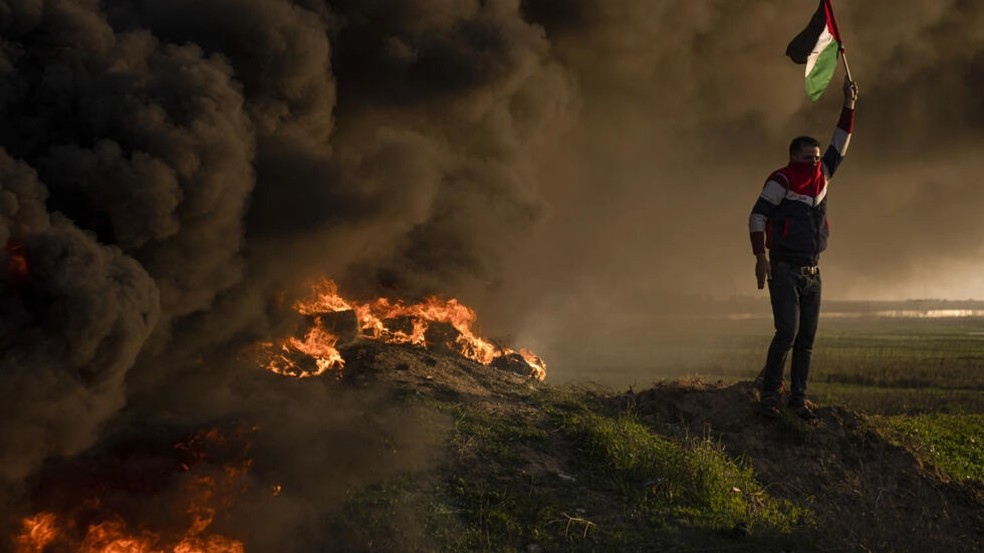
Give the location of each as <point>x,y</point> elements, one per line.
<point>371,319</point>
<point>318,344</point>
<point>113,536</point>
<point>207,489</point>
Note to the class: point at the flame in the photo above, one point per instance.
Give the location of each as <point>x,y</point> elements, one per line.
<point>318,344</point>
<point>113,536</point>
<point>38,532</point>
<point>537,364</point>
<point>208,490</point>
<point>324,298</point>
<point>431,310</point>
<point>371,318</point>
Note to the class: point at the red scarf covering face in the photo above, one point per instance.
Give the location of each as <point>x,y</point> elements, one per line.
<point>803,177</point>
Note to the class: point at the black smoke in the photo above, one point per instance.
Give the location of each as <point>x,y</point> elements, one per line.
<point>170,171</point>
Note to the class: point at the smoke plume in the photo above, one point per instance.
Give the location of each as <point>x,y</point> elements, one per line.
<point>170,171</point>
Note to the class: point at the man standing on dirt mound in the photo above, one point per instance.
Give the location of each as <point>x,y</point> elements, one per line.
<point>790,220</point>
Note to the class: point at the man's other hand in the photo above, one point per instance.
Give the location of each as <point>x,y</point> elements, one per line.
<point>762,270</point>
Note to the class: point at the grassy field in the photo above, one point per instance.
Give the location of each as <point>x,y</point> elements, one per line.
<point>878,365</point>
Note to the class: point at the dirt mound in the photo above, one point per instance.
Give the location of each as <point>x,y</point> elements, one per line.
<point>860,486</point>
<point>441,374</point>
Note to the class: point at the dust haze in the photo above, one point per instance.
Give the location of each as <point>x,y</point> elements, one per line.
<point>171,170</point>
<point>687,107</point>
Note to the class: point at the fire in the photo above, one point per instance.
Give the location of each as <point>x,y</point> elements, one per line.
<point>324,298</point>
<point>538,365</point>
<point>319,343</point>
<point>371,318</point>
<point>113,536</point>
<point>38,532</point>
<point>208,489</point>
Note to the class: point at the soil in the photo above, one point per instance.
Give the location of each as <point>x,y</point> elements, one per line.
<point>862,488</point>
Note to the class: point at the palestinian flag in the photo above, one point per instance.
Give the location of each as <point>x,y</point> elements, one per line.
<point>817,46</point>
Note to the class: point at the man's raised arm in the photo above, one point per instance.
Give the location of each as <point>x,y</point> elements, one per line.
<point>842,134</point>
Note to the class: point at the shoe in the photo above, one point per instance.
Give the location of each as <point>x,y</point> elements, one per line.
<point>769,406</point>
<point>806,414</point>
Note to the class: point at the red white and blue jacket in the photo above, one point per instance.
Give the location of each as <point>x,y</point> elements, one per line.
<point>790,216</point>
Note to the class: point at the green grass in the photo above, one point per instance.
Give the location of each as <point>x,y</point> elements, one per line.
<point>666,480</point>
<point>571,473</point>
<point>939,353</point>
<point>898,401</point>
<point>953,443</point>
<point>881,354</point>
<point>660,484</point>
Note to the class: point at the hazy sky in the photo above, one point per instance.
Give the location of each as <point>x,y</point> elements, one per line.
<point>686,107</point>
<point>172,169</point>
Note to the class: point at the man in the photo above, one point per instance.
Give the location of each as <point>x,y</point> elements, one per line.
<point>790,219</point>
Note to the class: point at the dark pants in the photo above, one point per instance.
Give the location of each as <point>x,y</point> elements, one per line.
<point>796,312</point>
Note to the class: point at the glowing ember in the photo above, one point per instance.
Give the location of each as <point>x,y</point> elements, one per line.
<point>207,491</point>
<point>371,319</point>
<point>17,266</point>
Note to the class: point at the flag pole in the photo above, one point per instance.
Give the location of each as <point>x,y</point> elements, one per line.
<point>847,68</point>
<point>833,22</point>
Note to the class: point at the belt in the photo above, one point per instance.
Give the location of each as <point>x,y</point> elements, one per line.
<point>803,270</point>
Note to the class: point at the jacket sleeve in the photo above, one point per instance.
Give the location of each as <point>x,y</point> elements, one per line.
<point>838,143</point>
<point>772,194</point>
